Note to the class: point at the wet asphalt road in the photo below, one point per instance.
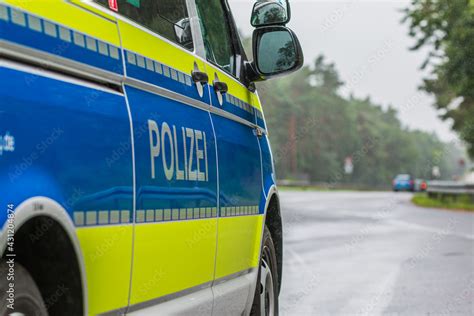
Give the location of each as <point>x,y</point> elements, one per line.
<point>358,253</point>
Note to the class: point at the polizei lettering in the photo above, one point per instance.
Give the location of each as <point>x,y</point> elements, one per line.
<point>183,152</point>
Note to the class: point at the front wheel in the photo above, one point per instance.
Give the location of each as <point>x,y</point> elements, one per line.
<point>266,292</point>
<point>19,293</point>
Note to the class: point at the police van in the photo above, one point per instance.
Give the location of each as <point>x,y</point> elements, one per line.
<point>136,172</point>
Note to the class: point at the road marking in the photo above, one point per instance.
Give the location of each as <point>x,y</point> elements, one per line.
<point>382,299</point>
<point>429,229</point>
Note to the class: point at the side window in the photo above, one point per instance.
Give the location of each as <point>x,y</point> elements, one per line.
<point>168,18</point>
<point>216,34</point>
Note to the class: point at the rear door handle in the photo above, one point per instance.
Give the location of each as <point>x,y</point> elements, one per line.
<point>199,76</point>
<point>221,87</point>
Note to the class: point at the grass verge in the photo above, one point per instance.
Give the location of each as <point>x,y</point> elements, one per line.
<point>462,202</point>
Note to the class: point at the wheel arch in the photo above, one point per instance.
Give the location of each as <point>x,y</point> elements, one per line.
<point>274,223</point>
<point>42,225</point>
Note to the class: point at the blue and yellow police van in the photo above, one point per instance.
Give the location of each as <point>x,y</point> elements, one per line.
<point>136,172</point>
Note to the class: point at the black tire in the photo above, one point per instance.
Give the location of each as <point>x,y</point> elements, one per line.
<point>28,300</point>
<point>262,303</point>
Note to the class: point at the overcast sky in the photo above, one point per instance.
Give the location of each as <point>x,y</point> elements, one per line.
<point>370,49</point>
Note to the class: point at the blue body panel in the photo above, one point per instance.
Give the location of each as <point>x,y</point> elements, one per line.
<point>268,172</point>
<point>239,163</point>
<point>233,105</point>
<point>64,133</point>
<point>161,193</point>
<point>240,169</point>
<point>260,120</point>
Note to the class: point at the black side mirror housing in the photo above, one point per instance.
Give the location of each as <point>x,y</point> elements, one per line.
<point>276,52</point>
<point>270,12</point>
<point>182,30</point>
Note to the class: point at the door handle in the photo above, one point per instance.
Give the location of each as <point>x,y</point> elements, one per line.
<point>199,76</point>
<point>221,87</point>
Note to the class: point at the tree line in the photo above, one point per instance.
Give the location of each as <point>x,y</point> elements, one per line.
<point>313,130</point>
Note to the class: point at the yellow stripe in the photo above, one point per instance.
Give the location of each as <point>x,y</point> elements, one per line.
<point>255,102</point>
<point>104,13</point>
<point>71,16</point>
<point>157,48</point>
<point>238,246</point>
<point>107,252</point>
<point>171,257</point>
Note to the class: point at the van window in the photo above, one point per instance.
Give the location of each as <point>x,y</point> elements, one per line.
<point>168,18</point>
<point>216,34</point>
<point>403,177</point>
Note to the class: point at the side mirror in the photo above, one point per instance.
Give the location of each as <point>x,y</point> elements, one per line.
<point>270,12</point>
<point>276,51</point>
<point>182,30</point>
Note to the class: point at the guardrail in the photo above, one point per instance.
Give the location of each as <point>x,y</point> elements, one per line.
<point>450,188</point>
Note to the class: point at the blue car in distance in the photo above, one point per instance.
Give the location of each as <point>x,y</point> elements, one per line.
<point>403,182</point>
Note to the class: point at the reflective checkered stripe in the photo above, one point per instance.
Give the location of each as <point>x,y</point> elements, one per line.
<point>155,66</point>
<point>238,107</point>
<point>160,215</point>
<point>114,217</point>
<point>24,28</point>
<point>239,211</point>
<point>239,103</point>
<point>90,218</point>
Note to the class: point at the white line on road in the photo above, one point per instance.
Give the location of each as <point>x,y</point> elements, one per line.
<point>428,229</point>
<point>382,299</point>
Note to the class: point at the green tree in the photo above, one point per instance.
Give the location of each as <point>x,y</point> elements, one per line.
<point>313,129</point>
<point>447,28</point>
